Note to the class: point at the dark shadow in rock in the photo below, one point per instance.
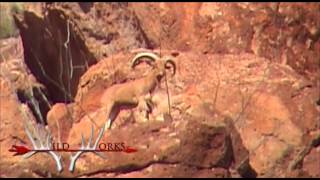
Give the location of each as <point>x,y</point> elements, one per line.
<point>240,153</point>
<point>54,52</point>
<point>85,6</point>
<point>36,102</point>
<point>246,171</point>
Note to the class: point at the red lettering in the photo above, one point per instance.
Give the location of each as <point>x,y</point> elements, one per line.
<point>102,146</point>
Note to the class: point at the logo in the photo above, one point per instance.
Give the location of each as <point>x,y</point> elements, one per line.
<point>42,143</point>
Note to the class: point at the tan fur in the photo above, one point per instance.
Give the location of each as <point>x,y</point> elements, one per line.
<point>137,92</point>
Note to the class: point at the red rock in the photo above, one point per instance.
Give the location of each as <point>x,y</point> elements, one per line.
<point>254,64</point>
<point>311,162</point>
<point>60,121</point>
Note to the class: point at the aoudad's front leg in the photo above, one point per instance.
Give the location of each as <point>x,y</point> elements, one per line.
<point>112,110</point>
<point>109,114</point>
<point>144,107</point>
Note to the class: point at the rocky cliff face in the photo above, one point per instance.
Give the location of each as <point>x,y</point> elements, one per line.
<point>244,101</point>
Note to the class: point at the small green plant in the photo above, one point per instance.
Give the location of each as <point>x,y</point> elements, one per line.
<point>7,24</point>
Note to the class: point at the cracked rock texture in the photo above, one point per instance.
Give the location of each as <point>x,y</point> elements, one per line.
<point>244,101</point>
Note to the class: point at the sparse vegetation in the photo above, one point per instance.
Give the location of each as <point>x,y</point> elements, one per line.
<point>7,25</point>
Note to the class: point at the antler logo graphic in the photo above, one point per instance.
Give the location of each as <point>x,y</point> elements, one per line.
<point>87,148</point>
<point>39,145</point>
<point>42,143</point>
